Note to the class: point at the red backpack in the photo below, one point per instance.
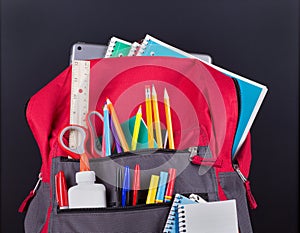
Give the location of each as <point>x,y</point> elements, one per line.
<point>204,107</point>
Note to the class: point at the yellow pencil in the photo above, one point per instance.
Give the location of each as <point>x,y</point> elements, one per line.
<point>156,118</point>
<point>117,125</point>
<point>136,129</point>
<point>149,117</point>
<point>169,120</point>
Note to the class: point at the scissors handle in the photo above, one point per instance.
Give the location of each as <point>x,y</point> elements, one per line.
<point>96,148</point>
<point>80,149</point>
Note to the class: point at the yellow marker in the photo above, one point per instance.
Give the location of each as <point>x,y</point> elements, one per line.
<point>156,119</point>
<point>169,120</point>
<point>149,117</point>
<point>136,129</point>
<point>152,189</point>
<point>117,125</point>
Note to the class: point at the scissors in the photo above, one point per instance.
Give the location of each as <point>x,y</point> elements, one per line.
<point>81,147</point>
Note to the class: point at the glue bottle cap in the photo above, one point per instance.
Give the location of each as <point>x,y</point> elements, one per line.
<point>85,176</point>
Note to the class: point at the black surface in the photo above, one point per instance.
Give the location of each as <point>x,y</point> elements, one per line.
<point>258,39</point>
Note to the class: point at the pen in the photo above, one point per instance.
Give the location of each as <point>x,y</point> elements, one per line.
<point>136,184</point>
<point>169,120</point>
<point>163,178</point>
<point>119,178</point>
<point>152,189</point>
<point>170,186</point>
<point>126,187</point>
<point>136,129</point>
<point>149,117</point>
<point>107,131</point>
<point>61,190</point>
<point>156,118</point>
<point>117,125</point>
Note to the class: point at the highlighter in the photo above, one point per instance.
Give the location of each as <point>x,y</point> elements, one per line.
<point>152,189</point>
<point>163,179</point>
<point>171,183</point>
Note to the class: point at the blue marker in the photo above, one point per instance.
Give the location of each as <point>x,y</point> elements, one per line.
<point>163,179</point>
<point>107,131</point>
<point>126,187</point>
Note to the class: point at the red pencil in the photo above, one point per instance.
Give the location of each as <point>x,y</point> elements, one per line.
<point>171,183</point>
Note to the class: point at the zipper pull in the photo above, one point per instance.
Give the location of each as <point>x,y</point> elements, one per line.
<point>193,152</point>
<point>250,197</point>
<point>29,197</point>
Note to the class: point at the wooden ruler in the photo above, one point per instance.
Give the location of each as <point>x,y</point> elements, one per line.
<point>79,98</point>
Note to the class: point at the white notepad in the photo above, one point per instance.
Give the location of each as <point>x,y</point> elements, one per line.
<point>210,217</point>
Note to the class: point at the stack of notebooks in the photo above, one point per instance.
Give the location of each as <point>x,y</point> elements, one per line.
<point>191,215</point>
<point>251,93</point>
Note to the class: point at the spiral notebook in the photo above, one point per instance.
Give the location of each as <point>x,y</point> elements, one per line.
<point>172,224</point>
<point>117,48</point>
<point>134,49</point>
<point>211,217</point>
<point>251,93</point>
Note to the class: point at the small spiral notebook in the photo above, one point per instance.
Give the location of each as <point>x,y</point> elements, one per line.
<point>117,48</point>
<point>211,217</point>
<point>172,224</point>
<point>252,93</point>
<point>134,49</point>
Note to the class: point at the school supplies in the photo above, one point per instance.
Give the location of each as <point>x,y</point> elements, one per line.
<point>117,125</point>
<point>79,99</point>
<point>152,189</point>
<point>163,178</point>
<point>252,93</point>
<point>115,136</point>
<point>117,48</point>
<point>137,124</point>
<point>126,187</point>
<point>170,186</point>
<point>216,217</point>
<point>61,190</point>
<point>134,49</point>
<point>169,120</point>
<point>156,118</point>
<point>118,187</point>
<point>149,117</point>
<point>136,185</point>
<point>172,224</point>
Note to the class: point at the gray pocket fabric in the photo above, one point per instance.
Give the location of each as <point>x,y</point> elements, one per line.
<point>141,218</point>
<point>234,189</point>
<point>37,211</point>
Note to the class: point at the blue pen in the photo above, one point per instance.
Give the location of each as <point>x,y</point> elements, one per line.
<point>126,187</point>
<point>107,131</point>
<point>163,179</point>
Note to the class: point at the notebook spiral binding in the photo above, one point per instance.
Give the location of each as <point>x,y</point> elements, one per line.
<point>181,219</point>
<point>110,47</point>
<point>170,225</point>
<point>134,49</point>
<point>144,45</point>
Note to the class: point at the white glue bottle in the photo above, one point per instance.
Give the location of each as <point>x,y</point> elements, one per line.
<point>87,194</point>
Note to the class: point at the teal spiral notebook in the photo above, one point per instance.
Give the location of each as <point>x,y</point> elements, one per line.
<point>252,93</point>
<point>172,224</point>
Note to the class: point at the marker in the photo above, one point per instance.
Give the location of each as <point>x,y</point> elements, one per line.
<point>119,179</point>
<point>156,118</point>
<point>152,189</point>
<point>136,184</point>
<point>61,190</point>
<point>163,178</point>
<point>149,117</point>
<point>117,125</point>
<point>126,187</point>
<point>169,120</point>
<point>107,131</point>
<point>170,186</point>
<point>136,128</point>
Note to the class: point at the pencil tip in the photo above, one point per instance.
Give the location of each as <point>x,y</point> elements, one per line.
<point>166,93</point>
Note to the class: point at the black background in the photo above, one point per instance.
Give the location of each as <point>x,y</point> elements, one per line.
<point>258,39</point>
